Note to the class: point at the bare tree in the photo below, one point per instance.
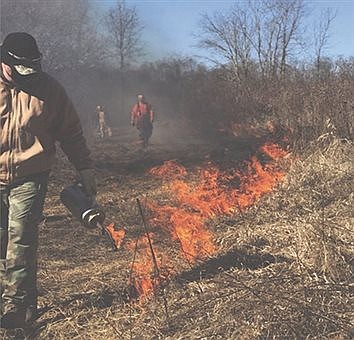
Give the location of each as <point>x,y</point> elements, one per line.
<point>321,34</point>
<point>124,31</point>
<point>65,31</point>
<point>263,31</point>
<point>68,38</point>
<point>227,36</point>
<point>291,14</point>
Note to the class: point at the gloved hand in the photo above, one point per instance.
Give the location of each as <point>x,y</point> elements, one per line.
<point>87,178</point>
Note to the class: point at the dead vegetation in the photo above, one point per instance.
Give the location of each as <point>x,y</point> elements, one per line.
<point>283,270</point>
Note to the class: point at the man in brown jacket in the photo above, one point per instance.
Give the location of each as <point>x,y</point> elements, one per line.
<point>35,112</point>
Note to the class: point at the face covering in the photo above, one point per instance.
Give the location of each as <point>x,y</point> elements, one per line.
<point>23,75</point>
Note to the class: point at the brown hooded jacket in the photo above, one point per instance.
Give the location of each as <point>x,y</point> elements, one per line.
<point>32,118</point>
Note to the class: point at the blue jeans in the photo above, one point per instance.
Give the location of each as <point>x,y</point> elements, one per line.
<point>21,211</point>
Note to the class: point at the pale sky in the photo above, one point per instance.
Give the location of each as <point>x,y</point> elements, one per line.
<point>170,26</point>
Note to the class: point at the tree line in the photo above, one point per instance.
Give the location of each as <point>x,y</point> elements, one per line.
<point>268,64</point>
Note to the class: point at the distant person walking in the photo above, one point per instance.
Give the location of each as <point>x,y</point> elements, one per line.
<point>103,121</point>
<point>142,116</point>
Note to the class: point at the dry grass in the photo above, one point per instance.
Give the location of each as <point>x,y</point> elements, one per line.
<point>284,268</point>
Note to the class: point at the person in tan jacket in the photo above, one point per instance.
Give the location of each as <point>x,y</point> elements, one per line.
<point>35,112</point>
<point>103,121</point>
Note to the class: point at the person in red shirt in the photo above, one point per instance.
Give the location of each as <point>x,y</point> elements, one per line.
<point>142,116</point>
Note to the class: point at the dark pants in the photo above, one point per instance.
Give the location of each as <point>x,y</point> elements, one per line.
<point>21,212</point>
<point>145,128</point>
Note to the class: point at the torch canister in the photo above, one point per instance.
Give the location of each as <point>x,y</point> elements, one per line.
<point>85,209</point>
<point>82,206</point>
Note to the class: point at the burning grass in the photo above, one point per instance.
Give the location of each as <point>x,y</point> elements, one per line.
<point>212,193</point>
<point>281,267</point>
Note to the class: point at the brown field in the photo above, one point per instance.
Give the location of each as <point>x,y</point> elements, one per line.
<point>282,268</point>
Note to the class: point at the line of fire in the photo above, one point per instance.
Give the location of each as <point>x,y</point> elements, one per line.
<point>176,169</point>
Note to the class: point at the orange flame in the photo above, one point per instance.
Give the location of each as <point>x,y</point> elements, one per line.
<point>169,169</point>
<point>274,151</point>
<point>117,235</point>
<point>146,278</point>
<point>185,227</point>
<point>257,181</point>
<point>194,202</point>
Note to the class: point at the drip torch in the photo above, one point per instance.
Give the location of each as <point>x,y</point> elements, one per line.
<point>85,209</point>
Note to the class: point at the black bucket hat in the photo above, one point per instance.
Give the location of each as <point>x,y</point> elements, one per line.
<point>20,50</point>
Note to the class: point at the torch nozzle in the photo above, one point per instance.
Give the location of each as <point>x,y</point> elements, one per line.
<point>86,210</point>
<point>106,232</point>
